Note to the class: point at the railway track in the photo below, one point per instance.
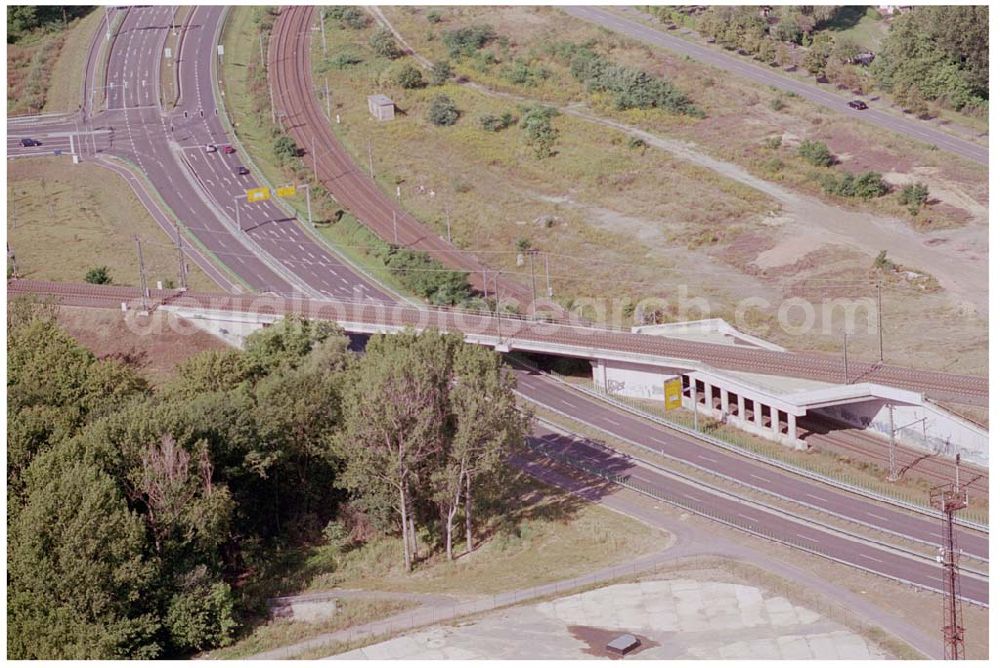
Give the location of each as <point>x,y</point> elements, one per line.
<point>555,336</point>
<point>859,446</point>
<point>290,71</point>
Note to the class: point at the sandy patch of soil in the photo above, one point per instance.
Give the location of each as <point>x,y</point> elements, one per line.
<point>156,345</point>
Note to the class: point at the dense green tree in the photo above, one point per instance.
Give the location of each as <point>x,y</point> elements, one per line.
<point>98,276</point>
<point>383,42</point>
<point>285,149</point>
<point>487,428</point>
<point>539,133</point>
<point>409,76</point>
<point>395,411</point>
<point>79,573</point>
<point>942,52</point>
<point>200,615</point>
<point>913,196</point>
<point>442,111</point>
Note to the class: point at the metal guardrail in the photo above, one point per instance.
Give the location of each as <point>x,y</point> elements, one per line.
<point>785,466</point>
<point>724,518</point>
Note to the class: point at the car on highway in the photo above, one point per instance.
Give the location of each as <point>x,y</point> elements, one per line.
<point>857,104</point>
<point>210,148</point>
<point>228,148</point>
<point>28,141</point>
<point>242,171</point>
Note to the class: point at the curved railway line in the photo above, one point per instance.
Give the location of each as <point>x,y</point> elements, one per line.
<point>290,70</point>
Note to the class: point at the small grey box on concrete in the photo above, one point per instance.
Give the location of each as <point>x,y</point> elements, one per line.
<point>623,644</point>
<point>381,107</point>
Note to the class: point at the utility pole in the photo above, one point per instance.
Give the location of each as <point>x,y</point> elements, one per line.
<point>326,82</point>
<point>322,27</point>
<point>548,284</point>
<point>182,266</point>
<point>950,499</point>
<point>371,165</point>
<point>237,200</point>
<point>496,294</point>
<point>315,170</point>
<point>143,288</point>
<point>107,20</point>
<point>395,231</point>
<point>531,263</point>
<point>486,290</point>
<point>260,39</point>
<point>847,378</point>
<point>878,288</point>
<point>12,259</point>
<point>893,472</point>
<point>447,221</point>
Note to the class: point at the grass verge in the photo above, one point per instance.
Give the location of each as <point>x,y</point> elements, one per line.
<point>279,633</point>
<point>64,219</point>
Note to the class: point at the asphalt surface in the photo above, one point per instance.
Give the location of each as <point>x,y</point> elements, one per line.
<point>878,560</point>
<point>272,253</point>
<point>168,149</point>
<point>912,128</point>
<point>548,392</point>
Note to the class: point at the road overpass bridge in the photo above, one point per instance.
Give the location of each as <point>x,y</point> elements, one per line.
<point>762,390</point>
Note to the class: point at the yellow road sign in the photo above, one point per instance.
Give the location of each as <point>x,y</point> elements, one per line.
<point>672,394</point>
<point>286,191</point>
<point>258,194</point>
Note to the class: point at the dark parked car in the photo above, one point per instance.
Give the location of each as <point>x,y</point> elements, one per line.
<point>242,171</point>
<point>28,141</point>
<point>228,149</point>
<point>857,104</point>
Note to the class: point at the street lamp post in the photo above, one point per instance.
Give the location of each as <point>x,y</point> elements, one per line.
<point>309,209</point>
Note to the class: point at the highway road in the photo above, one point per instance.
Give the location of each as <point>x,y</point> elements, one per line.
<point>912,128</point>
<point>272,252</point>
<point>550,393</point>
<point>921,572</point>
<point>196,185</point>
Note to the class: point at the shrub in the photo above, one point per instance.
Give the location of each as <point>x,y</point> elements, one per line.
<point>870,185</point>
<point>522,74</point>
<point>285,148</point>
<point>773,143</point>
<point>773,165</point>
<point>815,153</point>
<point>409,77</point>
<point>914,196</point>
<point>466,41</point>
<point>632,88</point>
<point>384,44</point>
<point>201,615</point>
<point>345,60</point>
<point>440,72</point>
<point>443,111</point>
<point>523,245</point>
<point>883,263</point>
<point>777,104</point>
<point>636,142</point>
<point>538,130</point>
<point>865,186</point>
<point>492,123</point>
<point>349,17</point>
<point>98,276</point>
<point>434,16</point>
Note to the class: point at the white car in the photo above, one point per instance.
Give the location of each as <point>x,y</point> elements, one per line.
<point>210,148</point>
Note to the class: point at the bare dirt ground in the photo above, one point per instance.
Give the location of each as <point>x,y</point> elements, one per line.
<point>810,245</point>
<point>156,344</point>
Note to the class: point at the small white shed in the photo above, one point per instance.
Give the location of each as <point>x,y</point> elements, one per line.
<point>381,107</point>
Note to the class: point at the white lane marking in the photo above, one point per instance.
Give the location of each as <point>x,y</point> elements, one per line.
<point>760,478</point>
<point>871,558</point>
<point>566,403</point>
<point>746,517</point>
<point>711,459</point>
<point>614,422</point>
<point>811,540</point>
<point>818,498</point>
<point>879,517</point>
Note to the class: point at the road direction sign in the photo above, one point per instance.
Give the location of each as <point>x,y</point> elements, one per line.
<point>286,191</point>
<point>258,194</point>
<point>672,394</point>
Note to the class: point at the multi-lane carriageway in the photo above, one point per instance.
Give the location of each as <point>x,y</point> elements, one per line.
<point>196,186</point>
<point>367,317</point>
